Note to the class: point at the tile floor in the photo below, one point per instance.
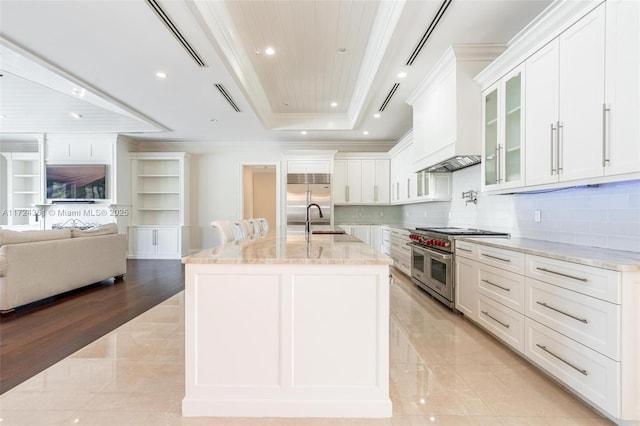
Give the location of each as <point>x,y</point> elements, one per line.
<point>444,371</point>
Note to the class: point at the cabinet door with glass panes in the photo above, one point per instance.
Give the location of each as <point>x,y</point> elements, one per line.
<point>503,133</point>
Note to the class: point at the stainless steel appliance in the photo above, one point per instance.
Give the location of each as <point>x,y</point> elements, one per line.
<point>303,190</point>
<point>432,256</point>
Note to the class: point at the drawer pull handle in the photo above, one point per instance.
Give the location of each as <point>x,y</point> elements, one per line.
<point>544,348</point>
<point>496,257</point>
<point>563,313</point>
<point>495,319</point>
<point>464,249</point>
<point>561,274</point>
<point>495,285</point>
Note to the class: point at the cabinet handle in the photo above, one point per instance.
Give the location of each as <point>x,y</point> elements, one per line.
<point>397,190</point>
<point>561,274</point>
<point>581,370</point>
<point>464,249</point>
<point>553,131</point>
<point>496,320</point>
<point>560,160</point>
<point>155,237</point>
<point>408,188</point>
<point>498,166</point>
<point>346,190</point>
<point>605,142</point>
<point>563,313</point>
<point>375,193</point>
<point>496,257</point>
<point>495,285</point>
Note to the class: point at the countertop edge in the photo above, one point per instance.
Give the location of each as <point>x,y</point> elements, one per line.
<point>616,260</point>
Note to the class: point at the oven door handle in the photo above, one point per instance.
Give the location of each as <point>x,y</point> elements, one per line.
<point>431,253</point>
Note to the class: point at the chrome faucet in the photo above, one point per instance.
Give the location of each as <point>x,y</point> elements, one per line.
<point>307,222</point>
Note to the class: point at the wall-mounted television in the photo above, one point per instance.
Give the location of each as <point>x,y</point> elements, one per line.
<point>76,182</point>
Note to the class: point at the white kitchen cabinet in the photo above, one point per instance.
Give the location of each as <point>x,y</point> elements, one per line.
<point>386,240</point>
<point>433,186</point>
<point>564,104</point>
<point>89,149</point>
<point>503,133</point>
<point>24,187</point>
<point>400,251</point>
<point>347,182</point>
<point>446,107</point>
<point>621,150</point>
<point>577,322</point>
<point>160,188</point>
<point>466,273</point>
<point>361,180</point>
<point>375,181</point>
<point>376,237</point>
<point>155,243</point>
<point>362,232</point>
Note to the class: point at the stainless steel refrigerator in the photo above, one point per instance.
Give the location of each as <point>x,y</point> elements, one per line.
<point>304,189</point>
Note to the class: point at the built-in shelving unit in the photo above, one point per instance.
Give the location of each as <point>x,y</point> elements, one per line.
<point>160,202</point>
<point>24,186</point>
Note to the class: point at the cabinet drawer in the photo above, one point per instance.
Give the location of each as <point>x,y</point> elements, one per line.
<point>589,373</point>
<point>504,259</point>
<point>502,286</point>
<point>503,322</point>
<point>466,249</point>
<point>592,322</point>
<point>597,282</point>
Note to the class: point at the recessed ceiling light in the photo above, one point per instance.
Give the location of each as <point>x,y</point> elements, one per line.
<point>3,116</point>
<point>365,133</point>
<point>75,115</point>
<point>304,132</point>
<point>376,115</point>
<point>270,51</point>
<point>78,91</point>
<point>402,74</point>
<point>342,50</point>
<point>161,74</point>
<point>214,120</point>
<point>334,104</point>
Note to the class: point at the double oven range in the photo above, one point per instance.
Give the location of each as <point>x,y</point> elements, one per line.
<point>432,251</point>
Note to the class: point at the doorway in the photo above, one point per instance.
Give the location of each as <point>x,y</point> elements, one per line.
<point>259,192</point>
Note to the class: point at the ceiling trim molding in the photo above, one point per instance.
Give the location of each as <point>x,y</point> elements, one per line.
<point>383,28</point>
<point>216,22</point>
<point>28,66</point>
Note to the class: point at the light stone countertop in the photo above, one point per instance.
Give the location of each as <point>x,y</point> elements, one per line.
<point>278,247</point>
<point>617,260</point>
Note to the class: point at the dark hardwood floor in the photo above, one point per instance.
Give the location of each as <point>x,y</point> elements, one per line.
<point>37,336</point>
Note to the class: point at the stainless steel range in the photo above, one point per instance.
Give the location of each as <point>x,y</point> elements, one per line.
<point>432,251</point>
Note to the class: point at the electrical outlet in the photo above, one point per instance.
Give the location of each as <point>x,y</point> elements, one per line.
<point>381,214</point>
<point>536,216</point>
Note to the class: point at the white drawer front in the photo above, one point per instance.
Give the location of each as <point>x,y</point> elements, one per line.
<point>502,286</point>
<point>503,322</point>
<point>592,375</point>
<point>601,283</point>
<point>504,259</point>
<point>465,249</point>
<point>592,322</point>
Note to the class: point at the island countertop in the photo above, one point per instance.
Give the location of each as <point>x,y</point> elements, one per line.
<point>279,247</point>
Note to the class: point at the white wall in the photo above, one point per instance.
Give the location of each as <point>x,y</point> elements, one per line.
<point>219,194</point>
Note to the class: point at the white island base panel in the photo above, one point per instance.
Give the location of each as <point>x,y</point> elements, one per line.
<point>287,340</point>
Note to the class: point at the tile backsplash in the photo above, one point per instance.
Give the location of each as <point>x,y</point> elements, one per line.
<point>606,215</point>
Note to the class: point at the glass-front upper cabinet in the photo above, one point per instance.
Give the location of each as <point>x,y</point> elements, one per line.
<point>503,133</point>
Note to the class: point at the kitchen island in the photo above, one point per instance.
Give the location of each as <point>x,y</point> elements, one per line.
<point>284,325</point>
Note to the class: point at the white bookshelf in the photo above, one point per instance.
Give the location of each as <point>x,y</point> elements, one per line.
<point>160,205</point>
<point>24,187</point>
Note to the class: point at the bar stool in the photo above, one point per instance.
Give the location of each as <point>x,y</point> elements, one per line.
<point>225,230</point>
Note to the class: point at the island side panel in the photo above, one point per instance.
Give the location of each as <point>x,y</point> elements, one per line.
<point>287,340</point>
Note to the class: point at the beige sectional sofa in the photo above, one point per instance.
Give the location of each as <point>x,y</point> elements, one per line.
<point>38,264</point>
